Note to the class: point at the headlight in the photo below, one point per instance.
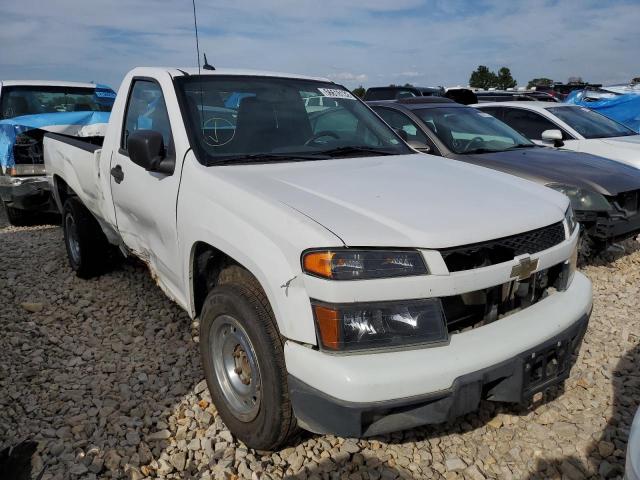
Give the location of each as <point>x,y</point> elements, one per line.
<point>570,218</point>
<point>363,264</point>
<point>582,199</point>
<point>361,326</point>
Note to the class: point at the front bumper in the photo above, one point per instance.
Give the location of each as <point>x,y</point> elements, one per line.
<point>430,385</point>
<point>514,380</point>
<point>27,193</point>
<point>607,228</point>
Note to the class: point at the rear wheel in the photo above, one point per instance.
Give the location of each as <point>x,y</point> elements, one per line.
<point>87,247</point>
<point>243,361</point>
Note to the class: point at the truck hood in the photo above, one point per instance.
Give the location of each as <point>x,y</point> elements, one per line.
<point>547,165</point>
<point>419,201</point>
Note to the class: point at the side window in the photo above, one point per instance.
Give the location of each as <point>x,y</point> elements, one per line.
<point>528,123</point>
<point>399,121</point>
<point>494,112</point>
<point>146,110</point>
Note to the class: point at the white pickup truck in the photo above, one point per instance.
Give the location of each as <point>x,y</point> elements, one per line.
<point>343,282</point>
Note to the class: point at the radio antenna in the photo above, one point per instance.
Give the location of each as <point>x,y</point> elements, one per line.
<point>195,25</point>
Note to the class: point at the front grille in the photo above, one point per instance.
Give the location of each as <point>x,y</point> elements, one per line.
<point>504,249</point>
<point>474,309</point>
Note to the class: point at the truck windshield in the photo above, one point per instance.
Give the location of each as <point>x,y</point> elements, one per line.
<point>590,124</point>
<point>246,119</point>
<point>465,130</point>
<point>30,100</point>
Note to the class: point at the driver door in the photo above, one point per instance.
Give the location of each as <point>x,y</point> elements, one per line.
<point>144,201</point>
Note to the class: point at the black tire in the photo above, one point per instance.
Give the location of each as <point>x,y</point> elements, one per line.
<point>87,247</point>
<point>238,295</point>
<point>15,216</point>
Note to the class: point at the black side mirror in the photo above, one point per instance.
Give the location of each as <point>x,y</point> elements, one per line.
<point>146,149</point>
<point>420,146</point>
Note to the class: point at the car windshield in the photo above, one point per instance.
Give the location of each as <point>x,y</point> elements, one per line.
<point>465,130</point>
<point>590,124</point>
<point>246,119</point>
<point>31,100</point>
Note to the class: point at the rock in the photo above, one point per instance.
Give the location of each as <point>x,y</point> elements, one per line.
<point>473,473</point>
<point>571,471</point>
<point>495,422</point>
<point>178,460</point>
<point>112,460</point>
<point>78,469</point>
<point>454,464</point>
<point>350,446</point>
<point>164,467</point>
<point>605,470</point>
<point>160,435</point>
<point>606,449</point>
<point>32,307</point>
<point>96,465</point>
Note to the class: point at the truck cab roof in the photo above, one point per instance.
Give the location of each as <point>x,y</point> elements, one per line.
<point>177,72</point>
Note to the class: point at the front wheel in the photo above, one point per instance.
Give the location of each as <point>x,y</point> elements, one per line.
<point>243,362</point>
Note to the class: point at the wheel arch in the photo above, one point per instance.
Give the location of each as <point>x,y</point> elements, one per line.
<point>206,261</point>
<point>61,191</point>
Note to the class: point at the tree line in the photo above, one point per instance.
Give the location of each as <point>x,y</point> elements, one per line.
<point>484,78</point>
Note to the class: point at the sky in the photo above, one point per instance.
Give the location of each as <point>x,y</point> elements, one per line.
<point>353,42</point>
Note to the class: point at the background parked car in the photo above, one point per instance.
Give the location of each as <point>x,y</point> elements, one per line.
<point>514,96</point>
<point>29,109</point>
<point>569,126</point>
<point>462,95</point>
<point>605,194</point>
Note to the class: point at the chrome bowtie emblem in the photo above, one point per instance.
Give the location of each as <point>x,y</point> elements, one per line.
<point>524,268</point>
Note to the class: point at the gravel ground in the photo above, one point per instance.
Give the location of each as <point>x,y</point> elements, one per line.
<point>104,375</point>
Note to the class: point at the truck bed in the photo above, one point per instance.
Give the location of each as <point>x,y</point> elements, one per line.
<point>77,161</point>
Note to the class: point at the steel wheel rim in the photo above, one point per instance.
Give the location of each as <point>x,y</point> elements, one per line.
<point>72,238</point>
<point>236,366</point>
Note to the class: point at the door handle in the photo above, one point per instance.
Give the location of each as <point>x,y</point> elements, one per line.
<point>117,173</point>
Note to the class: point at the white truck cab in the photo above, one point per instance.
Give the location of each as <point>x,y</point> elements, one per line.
<point>344,283</point>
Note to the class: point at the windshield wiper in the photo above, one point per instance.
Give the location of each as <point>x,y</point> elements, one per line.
<point>339,151</point>
<point>267,157</point>
<point>478,150</point>
<point>522,145</point>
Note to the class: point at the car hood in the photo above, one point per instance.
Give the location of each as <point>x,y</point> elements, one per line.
<point>548,165</point>
<point>417,200</point>
<point>631,141</point>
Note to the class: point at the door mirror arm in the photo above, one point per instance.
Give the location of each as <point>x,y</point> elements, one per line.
<point>146,149</point>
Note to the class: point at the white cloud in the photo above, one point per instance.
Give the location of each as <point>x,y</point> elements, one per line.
<point>435,42</point>
<point>348,77</point>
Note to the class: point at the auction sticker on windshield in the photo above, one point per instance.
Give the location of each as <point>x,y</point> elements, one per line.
<point>335,93</point>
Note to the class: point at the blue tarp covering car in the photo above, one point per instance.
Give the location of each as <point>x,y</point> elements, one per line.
<point>70,123</point>
<point>30,109</point>
<point>622,108</point>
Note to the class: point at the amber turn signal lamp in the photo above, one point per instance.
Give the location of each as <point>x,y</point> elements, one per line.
<point>328,326</point>
<point>318,263</point>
